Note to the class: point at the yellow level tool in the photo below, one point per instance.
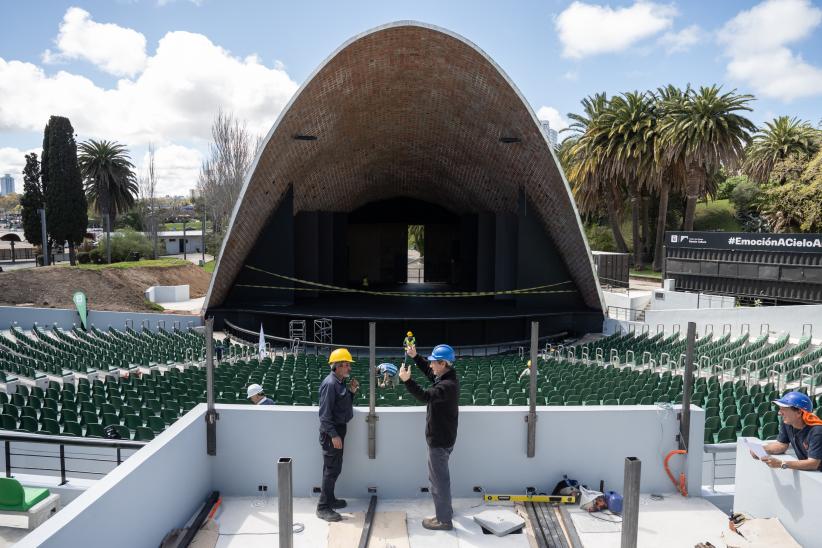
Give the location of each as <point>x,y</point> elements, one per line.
<point>531,498</point>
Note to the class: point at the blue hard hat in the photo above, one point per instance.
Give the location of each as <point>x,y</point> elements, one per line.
<point>442,352</point>
<point>389,368</point>
<point>795,399</point>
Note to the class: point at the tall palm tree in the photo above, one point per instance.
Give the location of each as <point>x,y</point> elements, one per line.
<point>706,129</point>
<point>628,126</point>
<point>109,180</point>
<point>582,156</point>
<point>777,141</point>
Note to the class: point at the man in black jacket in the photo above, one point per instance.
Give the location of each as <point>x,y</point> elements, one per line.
<point>441,422</point>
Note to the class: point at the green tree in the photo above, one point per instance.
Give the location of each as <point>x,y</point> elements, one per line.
<point>779,140</point>
<point>32,200</point>
<point>583,157</point>
<point>63,185</point>
<point>109,179</point>
<point>707,132</point>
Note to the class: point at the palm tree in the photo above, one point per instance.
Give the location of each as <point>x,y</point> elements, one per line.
<point>706,131</point>
<point>628,126</point>
<point>109,180</point>
<point>582,154</point>
<point>777,141</point>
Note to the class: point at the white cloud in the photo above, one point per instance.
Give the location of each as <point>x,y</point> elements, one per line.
<point>557,120</point>
<point>12,161</point>
<point>590,29</point>
<point>173,99</point>
<point>114,49</point>
<point>756,42</point>
<point>571,75</point>
<point>675,42</point>
<point>176,168</point>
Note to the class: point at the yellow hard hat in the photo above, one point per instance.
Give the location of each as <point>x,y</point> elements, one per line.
<point>340,355</point>
<point>529,363</point>
<point>410,334</point>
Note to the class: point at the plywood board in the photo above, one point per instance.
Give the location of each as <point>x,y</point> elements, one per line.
<point>389,530</point>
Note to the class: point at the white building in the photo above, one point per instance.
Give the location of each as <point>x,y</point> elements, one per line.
<point>6,185</point>
<point>550,133</point>
<point>173,242</point>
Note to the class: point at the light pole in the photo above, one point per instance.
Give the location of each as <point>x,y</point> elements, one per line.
<point>185,243</point>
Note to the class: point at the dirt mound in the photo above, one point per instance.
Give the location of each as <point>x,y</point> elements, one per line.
<point>106,289</point>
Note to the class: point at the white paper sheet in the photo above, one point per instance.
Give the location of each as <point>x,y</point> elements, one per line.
<point>757,448</point>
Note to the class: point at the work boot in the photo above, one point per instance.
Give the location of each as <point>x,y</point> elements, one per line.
<point>435,525</point>
<point>338,503</point>
<point>328,514</point>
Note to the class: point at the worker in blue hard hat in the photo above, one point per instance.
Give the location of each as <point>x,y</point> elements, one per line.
<point>801,429</point>
<point>442,418</point>
<point>387,375</point>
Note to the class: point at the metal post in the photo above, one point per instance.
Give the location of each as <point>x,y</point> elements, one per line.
<point>630,502</point>
<point>44,235</point>
<point>185,243</point>
<point>211,416</point>
<point>687,388</point>
<point>8,459</point>
<point>285,502</point>
<point>63,480</point>
<point>531,419</point>
<point>372,418</point>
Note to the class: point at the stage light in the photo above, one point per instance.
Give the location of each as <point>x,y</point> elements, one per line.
<point>300,137</point>
<point>510,140</point>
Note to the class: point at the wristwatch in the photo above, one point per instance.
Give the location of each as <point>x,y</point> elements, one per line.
<point>784,465</point>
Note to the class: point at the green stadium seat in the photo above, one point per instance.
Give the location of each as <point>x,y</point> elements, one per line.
<point>751,419</point>
<point>94,430</point>
<point>72,429</point>
<point>726,434</point>
<point>770,431</point>
<point>156,423</point>
<point>28,424</point>
<point>7,422</point>
<point>142,433</point>
<point>16,498</point>
<point>49,426</point>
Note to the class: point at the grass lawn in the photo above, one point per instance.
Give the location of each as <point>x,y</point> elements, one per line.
<point>191,225</point>
<point>647,272</point>
<point>716,215</point>
<point>209,266</point>
<point>161,263</point>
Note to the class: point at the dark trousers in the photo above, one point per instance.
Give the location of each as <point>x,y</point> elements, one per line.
<point>440,478</point>
<point>332,466</point>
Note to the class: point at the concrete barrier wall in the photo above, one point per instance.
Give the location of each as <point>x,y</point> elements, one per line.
<point>587,443</point>
<point>156,490</point>
<point>792,496</point>
<point>66,318</point>
<point>167,293</point>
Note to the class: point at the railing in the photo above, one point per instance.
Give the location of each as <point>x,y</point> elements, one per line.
<point>9,437</point>
<point>251,337</point>
<point>627,314</point>
<point>715,449</point>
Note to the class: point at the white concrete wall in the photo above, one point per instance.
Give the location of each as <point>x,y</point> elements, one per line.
<point>677,300</point>
<point>634,299</point>
<point>792,496</point>
<point>587,443</point>
<point>155,491</point>
<point>194,244</point>
<point>167,293</point>
<point>66,318</point>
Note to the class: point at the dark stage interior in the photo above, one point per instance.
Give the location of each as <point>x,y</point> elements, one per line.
<point>311,264</point>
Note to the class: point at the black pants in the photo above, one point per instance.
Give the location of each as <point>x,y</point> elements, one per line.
<point>332,466</point>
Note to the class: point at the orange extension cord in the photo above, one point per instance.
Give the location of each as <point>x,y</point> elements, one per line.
<point>682,487</point>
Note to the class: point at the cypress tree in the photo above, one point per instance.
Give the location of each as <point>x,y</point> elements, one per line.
<point>66,206</point>
<point>32,200</point>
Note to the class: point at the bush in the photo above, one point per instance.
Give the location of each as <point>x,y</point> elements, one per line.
<point>745,196</point>
<point>600,238</point>
<point>123,245</point>
<point>727,186</point>
<point>83,257</point>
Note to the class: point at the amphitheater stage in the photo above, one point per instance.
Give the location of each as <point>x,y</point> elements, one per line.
<point>673,522</point>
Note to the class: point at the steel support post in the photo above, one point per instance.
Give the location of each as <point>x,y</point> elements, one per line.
<point>630,502</point>
<point>285,502</point>
<point>532,400</point>
<point>211,416</point>
<point>372,418</point>
<point>687,388</point>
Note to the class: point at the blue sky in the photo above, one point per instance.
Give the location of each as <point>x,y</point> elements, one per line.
<point>156,70</point>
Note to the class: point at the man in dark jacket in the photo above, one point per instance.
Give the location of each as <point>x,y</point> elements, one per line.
<point>442,417</point>
<point>336,409</point>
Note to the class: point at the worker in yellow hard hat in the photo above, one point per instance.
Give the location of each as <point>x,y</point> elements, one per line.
<point>527,371</point>
<point>336,409</point>
<point>409,341</point>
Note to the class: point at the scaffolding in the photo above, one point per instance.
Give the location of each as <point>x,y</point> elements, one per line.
<point>296,329</point>
<point>323,331</point>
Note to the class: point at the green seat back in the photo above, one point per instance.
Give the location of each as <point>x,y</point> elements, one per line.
<point>11,492</point>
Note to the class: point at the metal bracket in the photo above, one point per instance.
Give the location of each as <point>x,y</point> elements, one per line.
<point>211,418</point>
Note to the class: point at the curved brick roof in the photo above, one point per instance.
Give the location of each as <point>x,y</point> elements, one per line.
<point>407,110</point>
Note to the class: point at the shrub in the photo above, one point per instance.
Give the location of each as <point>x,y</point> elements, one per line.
<point>83,257</point>
<point>745,196</point>
<point>727,186</point>
<point>600,238</point>
<point>123,245</point>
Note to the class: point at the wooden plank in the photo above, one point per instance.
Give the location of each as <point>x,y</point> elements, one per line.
<point>372,505</point>
<point>570,528</point>
<point>522,512</point>
<point>556,538</point>
<point>388,530</point>
<point>533,522</point>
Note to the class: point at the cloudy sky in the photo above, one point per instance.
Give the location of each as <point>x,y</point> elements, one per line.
<point>141,71</point>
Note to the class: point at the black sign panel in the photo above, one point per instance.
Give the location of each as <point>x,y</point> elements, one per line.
<point>745,241</point>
